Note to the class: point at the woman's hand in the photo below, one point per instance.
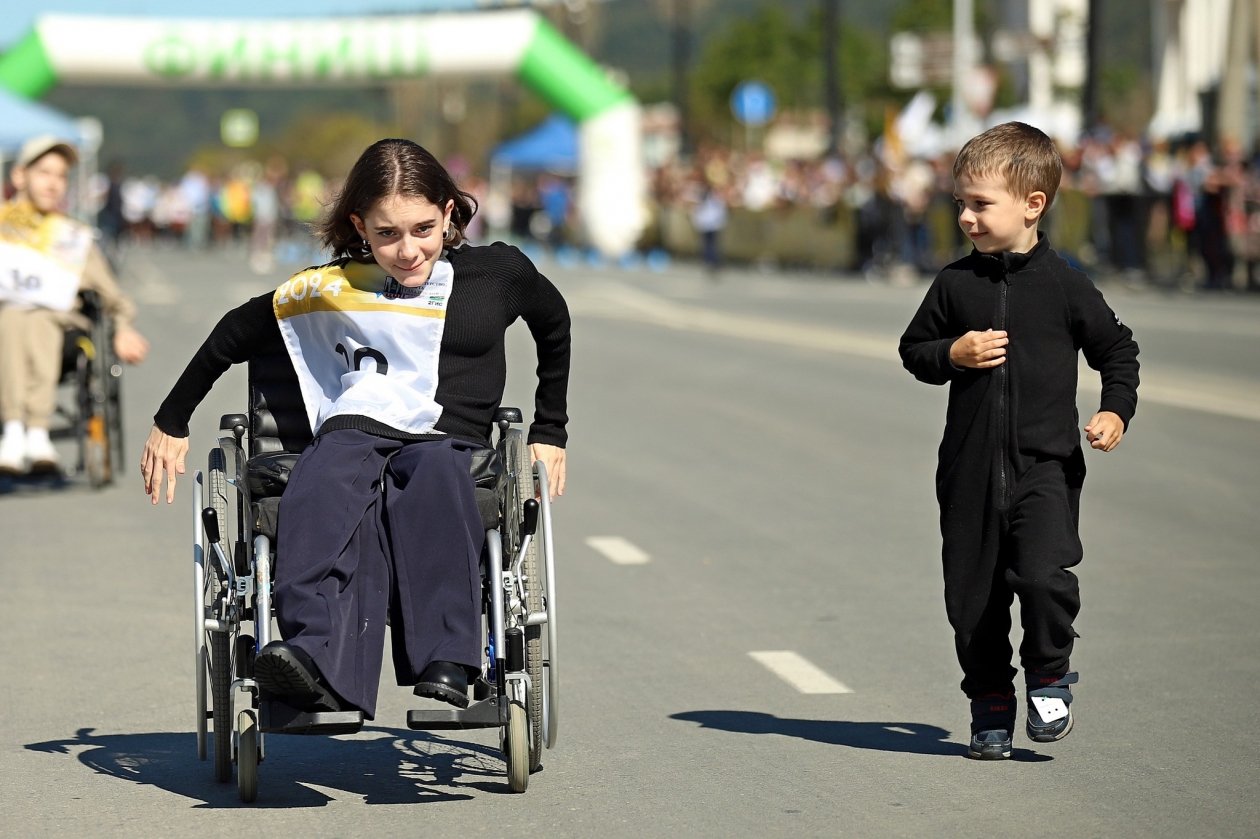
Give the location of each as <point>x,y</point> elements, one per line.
<point>553,458</point>
<point>163,454</point>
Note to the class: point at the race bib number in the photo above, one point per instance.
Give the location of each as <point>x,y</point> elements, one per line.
<point>362,347</point>
<point>31,280</point>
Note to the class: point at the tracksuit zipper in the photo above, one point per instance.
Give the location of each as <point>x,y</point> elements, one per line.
<point>1003,402</point>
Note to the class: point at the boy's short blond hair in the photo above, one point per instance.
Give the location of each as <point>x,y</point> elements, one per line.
<point>1021,155</point>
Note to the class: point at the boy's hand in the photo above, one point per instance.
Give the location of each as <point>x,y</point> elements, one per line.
<point>1104,430</point>
<point>979,350</point>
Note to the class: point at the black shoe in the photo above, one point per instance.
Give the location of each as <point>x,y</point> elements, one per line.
<point>992,726</point>
<point>286,673</point>
<point>1050,708</point>
<point>444,680</point>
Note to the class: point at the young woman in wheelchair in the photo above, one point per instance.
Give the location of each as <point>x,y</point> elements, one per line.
<point>398,345</point>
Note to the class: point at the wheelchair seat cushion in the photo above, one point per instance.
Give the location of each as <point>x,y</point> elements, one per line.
<point>266,512</point>
<point>267,474</point>
<point>488,506</point>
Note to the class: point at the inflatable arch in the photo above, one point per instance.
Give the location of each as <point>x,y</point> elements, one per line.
<point>611,181</point>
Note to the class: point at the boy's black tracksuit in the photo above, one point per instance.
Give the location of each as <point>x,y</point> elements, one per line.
<point>1010,465</point>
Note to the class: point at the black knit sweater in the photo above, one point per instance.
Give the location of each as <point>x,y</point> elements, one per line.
<point>1024,409</point>
<point>493,286</point>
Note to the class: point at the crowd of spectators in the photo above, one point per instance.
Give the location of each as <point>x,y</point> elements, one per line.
<point>257,206</point>
<point>1175,214</point>
<point>1172,214</point>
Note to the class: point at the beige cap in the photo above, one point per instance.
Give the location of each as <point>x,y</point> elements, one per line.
<point>37,147</point>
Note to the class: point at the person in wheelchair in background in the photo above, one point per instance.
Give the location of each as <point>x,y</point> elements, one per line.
<point>398,346</point>
<point>46,259</point>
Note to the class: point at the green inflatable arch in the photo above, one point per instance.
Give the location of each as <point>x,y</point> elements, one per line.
<point>112,50</point>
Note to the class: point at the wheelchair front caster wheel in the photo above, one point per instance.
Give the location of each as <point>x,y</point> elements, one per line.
<point>516,745</point>
<point>247,749</point>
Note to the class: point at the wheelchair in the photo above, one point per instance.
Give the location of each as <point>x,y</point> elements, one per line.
<point>236,501</point>
<point>92,414</point>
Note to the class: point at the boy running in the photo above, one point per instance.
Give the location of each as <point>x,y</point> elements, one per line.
<point>1003,327</point>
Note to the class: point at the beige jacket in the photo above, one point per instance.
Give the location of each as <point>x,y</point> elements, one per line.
<point>18,217</point>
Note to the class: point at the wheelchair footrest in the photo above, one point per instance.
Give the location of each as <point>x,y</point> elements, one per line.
<point>488,713</point>
<point>278,718</point>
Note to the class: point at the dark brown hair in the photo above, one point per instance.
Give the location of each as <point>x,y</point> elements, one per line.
<point>387,168</point>
<point>1021,155</point>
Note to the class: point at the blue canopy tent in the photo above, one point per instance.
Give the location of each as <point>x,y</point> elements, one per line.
<point>552,145</point>
<point>21,119</point>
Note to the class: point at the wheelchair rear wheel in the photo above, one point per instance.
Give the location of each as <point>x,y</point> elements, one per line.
<point>221,705</point>
<point>521,469</point>
<point>220,642</point>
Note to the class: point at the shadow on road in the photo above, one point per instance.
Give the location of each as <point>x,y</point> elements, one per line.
<point>32,484</point>
<point>395,766</point>
<point>908,737</point>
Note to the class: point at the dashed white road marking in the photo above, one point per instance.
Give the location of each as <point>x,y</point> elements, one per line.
<point>799,672</point>
<point>618,550</point>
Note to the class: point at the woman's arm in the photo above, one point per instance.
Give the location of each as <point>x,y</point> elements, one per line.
<point>547,316</point>
<point>238,336</point>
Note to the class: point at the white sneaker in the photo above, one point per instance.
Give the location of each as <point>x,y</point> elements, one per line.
<point>13,449</point>
<point>39,450</point>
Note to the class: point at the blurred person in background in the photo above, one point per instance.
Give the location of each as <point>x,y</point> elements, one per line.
<point>195,188</point>
<point>708,216</point>
<point>265,212</point>
<point>110,219</point>
<point>46,259</point>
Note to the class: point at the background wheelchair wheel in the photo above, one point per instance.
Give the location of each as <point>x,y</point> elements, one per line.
<point>516,748</point>
<point>521,466</point>
<point>111,376</point>
<point>220,642</point>
<point>97,456</point>
<point>247,753</point>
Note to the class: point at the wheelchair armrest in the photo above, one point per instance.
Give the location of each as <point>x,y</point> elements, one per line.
<point>230,422</point>
<point>512,415</point>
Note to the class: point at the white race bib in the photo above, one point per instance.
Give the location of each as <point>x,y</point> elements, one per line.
<point>360,352</point>
<point>43,269</point>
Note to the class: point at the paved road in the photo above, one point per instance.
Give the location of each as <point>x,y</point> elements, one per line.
<point>753,636</point>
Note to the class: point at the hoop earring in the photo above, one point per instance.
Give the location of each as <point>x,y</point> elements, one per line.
<point>449,233</point>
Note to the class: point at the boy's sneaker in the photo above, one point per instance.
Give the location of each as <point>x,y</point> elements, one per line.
<point>992,726</point>
<point>13,449</point>
<point>1050,708</point>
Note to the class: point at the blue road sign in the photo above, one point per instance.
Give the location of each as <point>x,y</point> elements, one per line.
<point>752,102</point>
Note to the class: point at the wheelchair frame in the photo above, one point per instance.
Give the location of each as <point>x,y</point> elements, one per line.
<point>517,691</point>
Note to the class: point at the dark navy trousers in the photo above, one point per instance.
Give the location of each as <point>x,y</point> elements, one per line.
<point>371,527</point>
